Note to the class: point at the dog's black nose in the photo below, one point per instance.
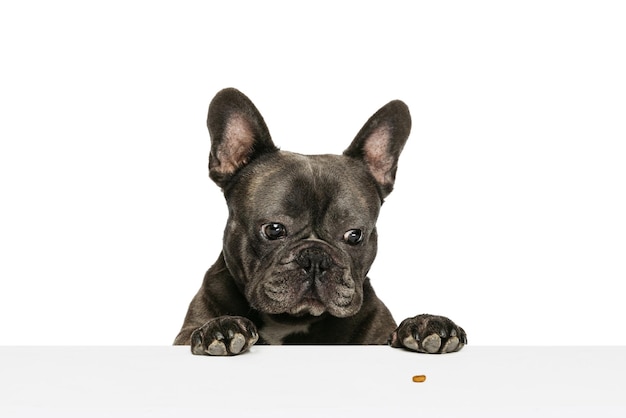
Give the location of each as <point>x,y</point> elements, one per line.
<point>314,261</point>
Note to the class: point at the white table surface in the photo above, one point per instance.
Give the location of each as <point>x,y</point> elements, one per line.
<point>321,381</point>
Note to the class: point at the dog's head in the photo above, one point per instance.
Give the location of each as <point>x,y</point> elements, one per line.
<point>301,233</point>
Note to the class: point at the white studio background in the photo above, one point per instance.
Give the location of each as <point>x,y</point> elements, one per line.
<point>509,209</point>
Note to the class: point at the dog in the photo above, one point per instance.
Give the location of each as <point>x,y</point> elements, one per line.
<point>299,241</point>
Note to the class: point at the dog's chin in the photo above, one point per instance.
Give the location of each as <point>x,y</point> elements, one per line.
<point>311,309</point>
<point>305,307</point>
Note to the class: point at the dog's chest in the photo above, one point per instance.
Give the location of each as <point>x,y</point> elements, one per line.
<point>274,333</point>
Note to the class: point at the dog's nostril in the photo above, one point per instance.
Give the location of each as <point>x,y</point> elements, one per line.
<point>325,263</point>
<point>305,263</point>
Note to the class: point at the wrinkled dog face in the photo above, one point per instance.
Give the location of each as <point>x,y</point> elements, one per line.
<point>311,235</point>
<point>301,232</point>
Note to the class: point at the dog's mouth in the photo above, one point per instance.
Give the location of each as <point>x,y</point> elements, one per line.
<point>280,296</point>
<point>308,306</point>
<point>298,298</point>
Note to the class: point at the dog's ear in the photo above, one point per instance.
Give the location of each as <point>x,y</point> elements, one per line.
<point>238,134</point>
<point>379,143</point>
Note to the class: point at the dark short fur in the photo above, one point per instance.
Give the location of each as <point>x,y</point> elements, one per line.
<point>300,240</point>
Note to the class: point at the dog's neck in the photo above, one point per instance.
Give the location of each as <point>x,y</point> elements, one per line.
<point>274,332</point>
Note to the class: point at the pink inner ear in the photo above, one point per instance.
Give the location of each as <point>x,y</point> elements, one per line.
<point>236,146</point>
<point>378,159</point>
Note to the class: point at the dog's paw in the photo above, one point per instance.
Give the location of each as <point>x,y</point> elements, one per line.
<point>224,336</point>
<point>429,334</point>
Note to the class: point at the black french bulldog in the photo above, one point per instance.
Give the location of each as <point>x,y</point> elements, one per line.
<point>300,240</point>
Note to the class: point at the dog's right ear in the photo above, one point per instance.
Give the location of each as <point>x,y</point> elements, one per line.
<point>238,134</point>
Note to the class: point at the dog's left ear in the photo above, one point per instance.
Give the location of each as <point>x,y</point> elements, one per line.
<point>379,143</point>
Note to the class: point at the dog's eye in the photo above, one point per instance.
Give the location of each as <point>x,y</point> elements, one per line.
<point>353,236</point>
<point>274,231</point>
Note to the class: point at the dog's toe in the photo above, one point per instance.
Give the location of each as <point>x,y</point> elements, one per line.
<point>451,345</point>
<point>217,348</point>
<point>432,343</point>
<point>237,343</point>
